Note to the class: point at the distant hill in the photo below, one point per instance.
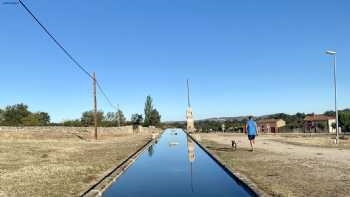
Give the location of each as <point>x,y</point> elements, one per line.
<point>214,119</point>
<point>233,118</point>
<point>223,119</point>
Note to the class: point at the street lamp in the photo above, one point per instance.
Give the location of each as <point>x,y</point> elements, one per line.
<point>333,53</point>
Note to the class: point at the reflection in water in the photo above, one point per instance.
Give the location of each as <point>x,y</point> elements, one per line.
<point>151,150</point>
<point>191,158</point>
<point>184,170</point>
<point>173,142</point>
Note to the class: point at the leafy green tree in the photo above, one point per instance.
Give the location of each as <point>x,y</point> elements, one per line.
<point>334,125</point>
<point>120,118</point>
<point>72,123</point>
<point>292,121</point>
<point>87,118</point>
<point>109,120</point>
<point>19,115</point>
<point>110,116</point>
<point>176,124</point>
<point>43,118</point>
<point>329,113</point>
<point>114,119</point>
<point>30,120</point>
<point>136,119</point>
<point>148,110</point>
<point>208,125</point>
<point>344,120</point>
<point>234,125</point>
<point>14,114</point>
<point>154,118</point>
<point>322,125</point>
<point>1,116</point>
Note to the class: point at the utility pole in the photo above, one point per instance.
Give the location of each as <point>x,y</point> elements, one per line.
<point>95,105</point>
<point>118,116</point>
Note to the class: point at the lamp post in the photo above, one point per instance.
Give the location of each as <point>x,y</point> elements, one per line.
<point>333,53</point>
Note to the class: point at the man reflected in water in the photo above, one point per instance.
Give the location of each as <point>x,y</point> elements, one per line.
<point>151,150</point>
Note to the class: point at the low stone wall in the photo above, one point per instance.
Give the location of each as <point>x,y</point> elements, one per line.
<point>125,130</point>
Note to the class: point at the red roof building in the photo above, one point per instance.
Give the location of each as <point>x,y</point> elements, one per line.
<point>319,123</point>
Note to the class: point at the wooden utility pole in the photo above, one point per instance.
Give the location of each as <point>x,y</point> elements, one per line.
<point>95,105</point>
<point>118,116</point>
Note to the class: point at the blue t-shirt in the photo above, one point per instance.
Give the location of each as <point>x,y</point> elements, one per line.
<point>251,127</point>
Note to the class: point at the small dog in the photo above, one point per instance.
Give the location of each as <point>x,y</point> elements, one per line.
<point>234,145</point>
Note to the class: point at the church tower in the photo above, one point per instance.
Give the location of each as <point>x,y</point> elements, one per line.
<point>189,115</point>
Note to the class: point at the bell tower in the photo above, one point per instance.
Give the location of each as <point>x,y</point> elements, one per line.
<point>189,115</point>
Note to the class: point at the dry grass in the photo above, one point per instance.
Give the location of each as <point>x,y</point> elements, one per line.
<point>45,165</point>
<point>286,169</point>
<point>326,141</point>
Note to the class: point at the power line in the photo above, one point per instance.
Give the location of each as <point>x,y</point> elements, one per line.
<point>55,40</point>
<point>106,97</point>
<point>81,67</point>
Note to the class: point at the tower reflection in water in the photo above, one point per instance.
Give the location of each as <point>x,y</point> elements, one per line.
<point>191,158</point>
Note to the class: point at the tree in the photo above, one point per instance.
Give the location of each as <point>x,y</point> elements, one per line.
<point>334,125</point>
<point>1,116</point>
<point>43,118</point>
<point>72,123</point>
<point>114,119</point>
<point>329,113</point>
<point>154,118</point>
<point>120,118</point>
<point>19,115</point>
<point>110,116</point>
<point>13,114</point>
<point>30,120</point>
<point>109,120</point>
<point>87,118</point>
<point>136,119</point>
<point>148,110</point>
<point>344,120</point>
<point>36,119</point>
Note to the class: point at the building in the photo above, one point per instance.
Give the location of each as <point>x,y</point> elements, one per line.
<point>319,123</point>
<point>189,114</point>
<point>189,119</point>
<point>270,125</point>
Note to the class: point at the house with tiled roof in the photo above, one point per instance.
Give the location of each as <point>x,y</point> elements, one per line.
<point>270,125</point>
<point>320,123</point>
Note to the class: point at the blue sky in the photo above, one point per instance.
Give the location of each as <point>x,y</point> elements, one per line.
<point>243,57</point>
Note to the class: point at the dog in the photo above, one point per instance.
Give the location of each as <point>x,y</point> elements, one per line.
<point>234,145</point>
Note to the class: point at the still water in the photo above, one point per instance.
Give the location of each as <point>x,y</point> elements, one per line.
<point>176,166</point>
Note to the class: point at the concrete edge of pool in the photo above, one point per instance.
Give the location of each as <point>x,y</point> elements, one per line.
<point>114,173</point>
<point>243,180</point>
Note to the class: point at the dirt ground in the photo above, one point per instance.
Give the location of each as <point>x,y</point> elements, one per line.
<point>56,164</point>
<point>287,165</point>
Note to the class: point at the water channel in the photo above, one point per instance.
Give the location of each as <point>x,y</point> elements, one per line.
<point>176,166</point>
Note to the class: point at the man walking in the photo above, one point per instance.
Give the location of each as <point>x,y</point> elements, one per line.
<point>252,131</point>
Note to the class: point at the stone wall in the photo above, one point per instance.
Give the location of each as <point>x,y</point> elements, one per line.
<point>125,130</point>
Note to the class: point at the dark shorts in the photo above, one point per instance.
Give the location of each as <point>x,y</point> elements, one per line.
<point>251,137</point>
